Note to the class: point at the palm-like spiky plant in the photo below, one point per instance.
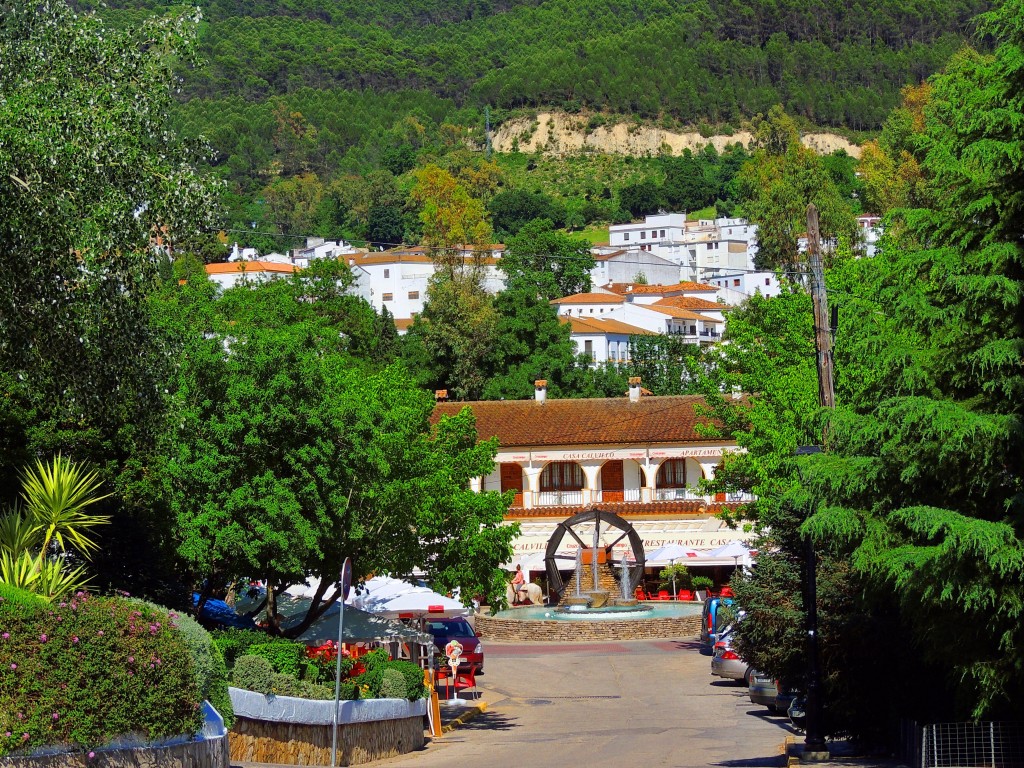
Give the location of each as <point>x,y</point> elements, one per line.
<point>52,514</point>
<point>55,496</point>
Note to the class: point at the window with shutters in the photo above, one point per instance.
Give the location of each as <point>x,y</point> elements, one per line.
<point>672,474</point>
<point>562,476</point>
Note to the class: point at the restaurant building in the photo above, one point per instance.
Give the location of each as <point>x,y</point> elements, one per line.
<point>639,456</point>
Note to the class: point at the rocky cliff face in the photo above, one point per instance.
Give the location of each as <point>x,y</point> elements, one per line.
<point>563,134</point>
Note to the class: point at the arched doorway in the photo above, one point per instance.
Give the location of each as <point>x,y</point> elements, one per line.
<point>595,529</point>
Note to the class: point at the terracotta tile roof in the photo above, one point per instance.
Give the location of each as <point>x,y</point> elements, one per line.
<point>590,298</point>
<point>630,509</point>
<point>592,421</point>
<point>231,267</point>
<point>606,256</point>
<point>688,302</point>
<point>683,314</point>
<point>602,325</point>
<point>416,255</point>
<point>627,288</point>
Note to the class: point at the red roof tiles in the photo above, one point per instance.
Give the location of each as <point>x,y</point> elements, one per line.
<point>590,298</point>
<point>593,421</point>
<point>689,302</point>
<point>627,288</point>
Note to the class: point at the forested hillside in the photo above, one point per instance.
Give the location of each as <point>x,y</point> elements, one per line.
<point>835,64</point>
<point>301,99</point>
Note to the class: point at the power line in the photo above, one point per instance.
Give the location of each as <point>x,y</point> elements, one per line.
<point>726,270</point>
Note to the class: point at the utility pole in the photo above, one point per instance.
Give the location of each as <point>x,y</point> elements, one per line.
<point>487,129</point>
<point>814,741</point>
<point>822,331</point>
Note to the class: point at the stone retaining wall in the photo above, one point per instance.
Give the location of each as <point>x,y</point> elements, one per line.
<point>514,630</point>
<point>208,753</point>
<point>291,731</point>
<point>263,741</point>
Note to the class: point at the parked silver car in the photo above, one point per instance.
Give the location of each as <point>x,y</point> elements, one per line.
<point>725,662</point>
<point>762,690</point>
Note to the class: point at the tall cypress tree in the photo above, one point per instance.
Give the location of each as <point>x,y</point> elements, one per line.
<point>925,478</point>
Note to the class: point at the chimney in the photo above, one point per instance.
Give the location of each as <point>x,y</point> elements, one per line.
<point>440,395</point>
<point>541,391</point>
<point>634,389</point>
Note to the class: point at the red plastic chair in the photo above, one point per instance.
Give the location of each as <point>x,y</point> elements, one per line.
<point>467,679</point>
<point>664,595</point>
<point>639,594</point>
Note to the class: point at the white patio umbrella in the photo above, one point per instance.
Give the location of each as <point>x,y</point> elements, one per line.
<point>739,553</point>
<point>418,603</point>
<point>378,590</point>
<point>671,552</point>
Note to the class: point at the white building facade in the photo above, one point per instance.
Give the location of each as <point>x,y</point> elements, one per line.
<point>641,457</point>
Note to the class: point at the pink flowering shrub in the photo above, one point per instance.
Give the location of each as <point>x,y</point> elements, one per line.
<point>82,672</point>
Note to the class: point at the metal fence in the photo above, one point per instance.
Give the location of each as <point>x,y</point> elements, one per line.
<point>972,745</point>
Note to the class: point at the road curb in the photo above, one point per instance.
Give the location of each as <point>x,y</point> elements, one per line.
<point>464,718</point>
<point>792,759</point>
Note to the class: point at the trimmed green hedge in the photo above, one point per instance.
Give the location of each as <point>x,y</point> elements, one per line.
<point>207,660</point>
<point>274,665</point>
<point>88,670</point>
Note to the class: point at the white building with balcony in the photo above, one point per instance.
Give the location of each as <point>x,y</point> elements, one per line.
<point>641,457</point>
<point>660,310</point>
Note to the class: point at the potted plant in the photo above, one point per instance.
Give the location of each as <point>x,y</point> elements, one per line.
<point>702,585</point>
<point>677,578</point>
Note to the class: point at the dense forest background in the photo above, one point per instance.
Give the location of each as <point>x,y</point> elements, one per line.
<point>329,90</point>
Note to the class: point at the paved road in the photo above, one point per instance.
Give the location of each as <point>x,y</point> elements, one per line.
<point>624,704</point>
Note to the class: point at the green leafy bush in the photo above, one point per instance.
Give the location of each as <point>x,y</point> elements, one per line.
<point>88,670</point>
<point>21,596</point>
<point>702,582</point>
<point>286,685</point>
<point>349,690</point>
<point>392,684</point>
<point>369,683</point>
<point>207,661</point>
<point>285,656</point>
<point>375,659</point>
<point>236,642</point>
<point>413,676</point>
<point>253,673</point>
<point>677,574</point>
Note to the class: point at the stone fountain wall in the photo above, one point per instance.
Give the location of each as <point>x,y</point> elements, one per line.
<point>607,578</point>
<point>581,630</point>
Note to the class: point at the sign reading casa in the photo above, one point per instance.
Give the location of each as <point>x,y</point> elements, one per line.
<point>661,452</point>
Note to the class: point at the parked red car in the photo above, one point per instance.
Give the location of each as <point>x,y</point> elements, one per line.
<point>445,630</point>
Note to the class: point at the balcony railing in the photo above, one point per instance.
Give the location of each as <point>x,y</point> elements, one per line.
<point>559,498</point>
<point>627,494</point>
<point>579,498</point>
<point>669,494</point>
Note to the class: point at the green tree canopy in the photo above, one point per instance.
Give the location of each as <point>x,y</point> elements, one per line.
<point>90,178</point>
<point>293,445</point>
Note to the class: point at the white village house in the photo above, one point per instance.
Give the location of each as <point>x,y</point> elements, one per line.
<point>603,320</point>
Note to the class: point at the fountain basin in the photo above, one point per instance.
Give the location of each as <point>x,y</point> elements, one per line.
<point>649,621</point>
